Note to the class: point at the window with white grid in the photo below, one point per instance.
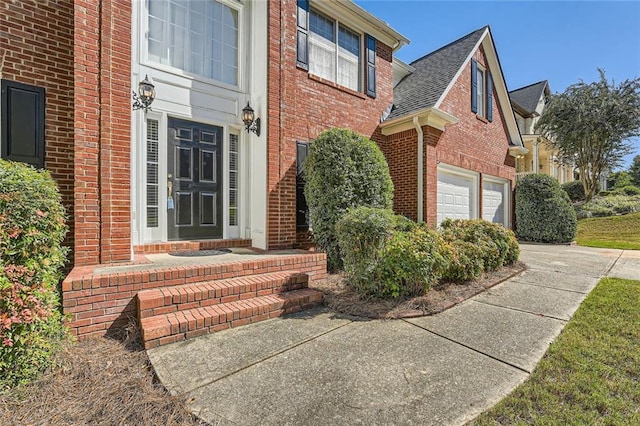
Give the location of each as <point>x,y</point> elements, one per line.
<point>199,36</point>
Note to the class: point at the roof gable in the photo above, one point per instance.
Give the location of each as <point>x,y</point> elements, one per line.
<point>437,72</point>
<point>424,87</point>
<point>527,97</point>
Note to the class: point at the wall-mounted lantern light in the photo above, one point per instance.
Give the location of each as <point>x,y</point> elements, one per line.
<point>251,123</point>
<point>145,96</point>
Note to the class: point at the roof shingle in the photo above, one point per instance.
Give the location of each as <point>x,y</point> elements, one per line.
<point>527,97</point>
<point>433,73</point>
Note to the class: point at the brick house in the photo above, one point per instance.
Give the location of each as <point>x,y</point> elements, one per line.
<point>451,137</point>
<point>528,104</point>
<point>188,174</point>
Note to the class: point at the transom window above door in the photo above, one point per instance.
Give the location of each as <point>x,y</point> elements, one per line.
<point>199,37</point>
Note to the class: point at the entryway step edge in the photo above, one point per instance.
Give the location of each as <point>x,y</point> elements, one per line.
<point>177,326</point>
<point>183,297</point>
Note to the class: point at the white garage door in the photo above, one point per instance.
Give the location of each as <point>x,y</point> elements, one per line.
<point>454,196</point>
<point>495,201</point>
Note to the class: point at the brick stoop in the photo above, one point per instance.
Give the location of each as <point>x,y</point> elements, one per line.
<point>199,309</point>
<point>101,302</point>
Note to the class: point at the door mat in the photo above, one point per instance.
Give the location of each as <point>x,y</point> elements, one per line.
<point>197,253</point>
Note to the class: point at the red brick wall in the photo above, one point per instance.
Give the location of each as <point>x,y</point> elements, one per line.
<point>401,152</point>
<point>472,143</point>
<point>36,48</point>
<point>301,106</point>
<point>102,52</point>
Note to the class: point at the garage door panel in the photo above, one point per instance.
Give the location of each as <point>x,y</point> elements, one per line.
<point>494,200</point>
<point>453,196</point>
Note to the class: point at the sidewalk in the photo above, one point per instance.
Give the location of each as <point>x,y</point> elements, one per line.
<point>318,368</point>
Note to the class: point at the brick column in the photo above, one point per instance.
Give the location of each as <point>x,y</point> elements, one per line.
<point>102,152</point>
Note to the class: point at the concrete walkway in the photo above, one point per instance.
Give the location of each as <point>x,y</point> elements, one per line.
<point>319,368</point>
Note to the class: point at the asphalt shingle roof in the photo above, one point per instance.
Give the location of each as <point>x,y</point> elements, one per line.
<point>433,73</point>
<point>527,97</point>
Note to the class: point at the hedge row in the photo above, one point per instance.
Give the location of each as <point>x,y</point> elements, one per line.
<point>386,255</point>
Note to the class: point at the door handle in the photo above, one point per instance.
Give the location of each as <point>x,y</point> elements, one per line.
<point>169,185</point>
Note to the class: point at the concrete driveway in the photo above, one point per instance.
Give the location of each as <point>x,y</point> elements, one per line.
<point>319,368</point>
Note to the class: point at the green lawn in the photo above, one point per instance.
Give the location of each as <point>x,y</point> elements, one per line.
<point>591,374</point>
<point>621,232</point>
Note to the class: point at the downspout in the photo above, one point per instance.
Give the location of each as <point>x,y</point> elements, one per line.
<point>416,123</point>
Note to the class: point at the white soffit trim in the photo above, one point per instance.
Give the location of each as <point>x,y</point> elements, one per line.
<point>432,117</point>
<point>354,16</point>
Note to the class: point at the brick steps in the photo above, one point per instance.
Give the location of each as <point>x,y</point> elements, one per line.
<point>103,299</point>
<point>183,297</point>
<point>170,314</point>
<point>180,325</point>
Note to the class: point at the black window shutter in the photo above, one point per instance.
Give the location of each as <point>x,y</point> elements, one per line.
<point>371,66</point>
<point>302,210</point>
<point>302,56</point>
<point>474,86</point>
<point>489,97</point>
<point>22,123</point>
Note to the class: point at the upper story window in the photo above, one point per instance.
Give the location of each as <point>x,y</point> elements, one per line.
<point>334,51</point>
<point>328,49</point>
<point>481,91</point>
<point>200,37</point>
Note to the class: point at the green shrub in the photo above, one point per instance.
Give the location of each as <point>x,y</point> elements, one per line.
<point>497,246</point>
<point>386,255</point>
<point>409,264</point>
<point>575,190</point>
<point>628,190</point>
<point>362,233</point>
<point>466,263</point>
<point>343,170</point>
<point>543,211</point>
<point>31,258</point>
<point>609,206</point>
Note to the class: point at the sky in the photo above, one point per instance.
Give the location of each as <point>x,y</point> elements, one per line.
<point>559,41</point>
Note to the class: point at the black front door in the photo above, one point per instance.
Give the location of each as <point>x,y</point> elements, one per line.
<point>194,180</point>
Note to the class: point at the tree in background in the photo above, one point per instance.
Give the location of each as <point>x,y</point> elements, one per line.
<point>634,171</point>
<point>619,180</point>
<point>590,124</point>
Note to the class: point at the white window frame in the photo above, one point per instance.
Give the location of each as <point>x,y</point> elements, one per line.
<point>336,34</point>
<point>242,49</point>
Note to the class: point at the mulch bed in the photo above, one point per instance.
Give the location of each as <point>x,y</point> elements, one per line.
<point>340,297</point>
<point>98,381</point>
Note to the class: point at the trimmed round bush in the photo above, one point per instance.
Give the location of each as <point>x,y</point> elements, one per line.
<point>543,211</point>
<point>574,190</point>
<point>409,264</point>
<point>343,170</point>
<point>362,233</point>
<point>32,229</point>
<point>466,262</point>
<point>490,246</point>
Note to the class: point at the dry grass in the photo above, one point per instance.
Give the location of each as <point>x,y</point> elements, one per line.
<point>340,297</point>
<point>97,382</point>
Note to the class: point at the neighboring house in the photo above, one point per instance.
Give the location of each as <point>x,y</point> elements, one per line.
<point>528,105</point>
<point>451,137</point>
<point>186,171</point>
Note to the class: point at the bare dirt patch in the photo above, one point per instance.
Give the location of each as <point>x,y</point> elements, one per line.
<point>99,381</point>
<point>340,297</point>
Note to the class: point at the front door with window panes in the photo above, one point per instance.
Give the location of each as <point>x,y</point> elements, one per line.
<point>194,180</point>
